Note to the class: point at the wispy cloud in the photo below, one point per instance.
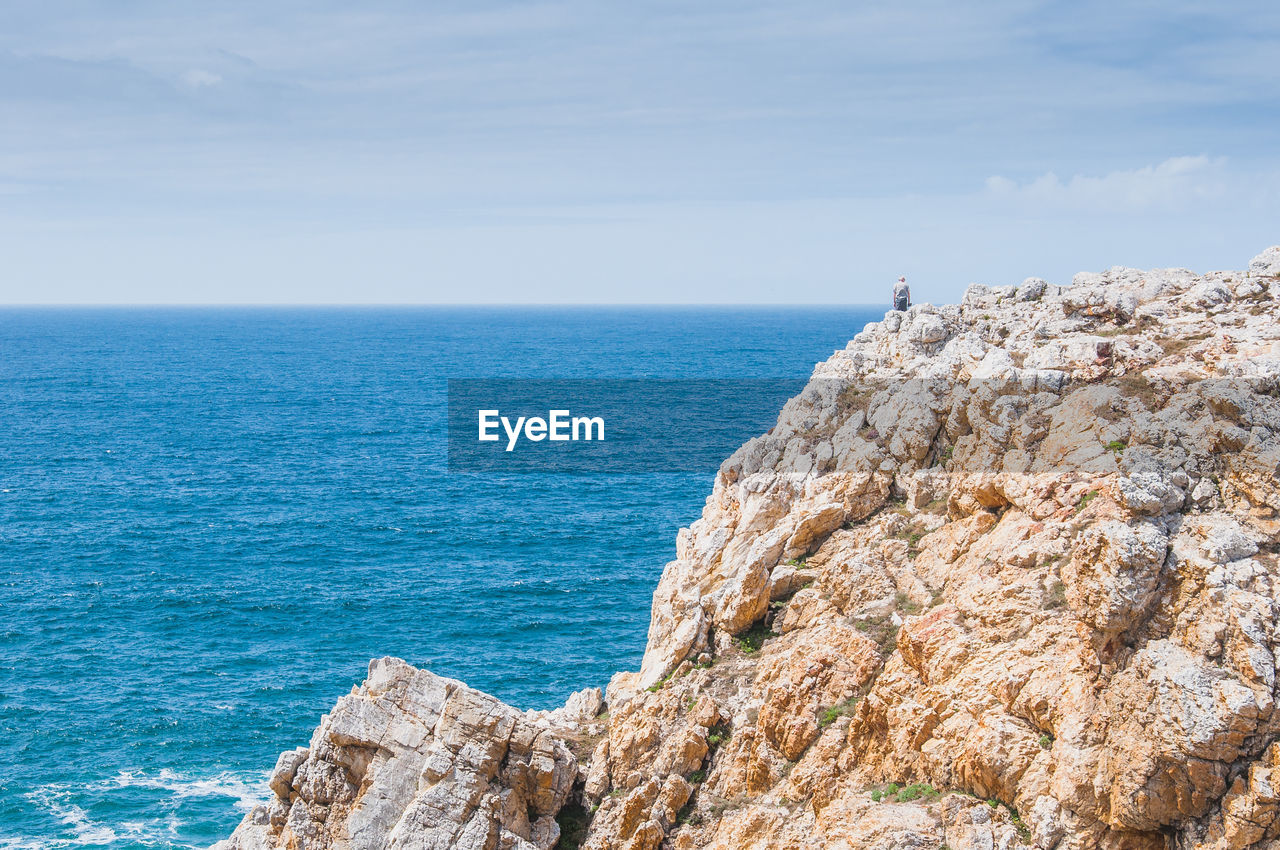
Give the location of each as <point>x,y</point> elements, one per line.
<point>1176,182</point>
<point>306,116</point>
<point>198,78</point>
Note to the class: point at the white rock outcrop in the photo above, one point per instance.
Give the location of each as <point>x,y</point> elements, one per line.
<point>413,760</point>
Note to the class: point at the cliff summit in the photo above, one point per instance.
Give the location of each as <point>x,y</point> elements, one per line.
<point>1003,575</point>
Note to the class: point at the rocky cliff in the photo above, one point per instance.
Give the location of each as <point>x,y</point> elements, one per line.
<point>1003,576</point>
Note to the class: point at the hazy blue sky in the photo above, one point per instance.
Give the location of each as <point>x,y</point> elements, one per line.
<point>632,152</point>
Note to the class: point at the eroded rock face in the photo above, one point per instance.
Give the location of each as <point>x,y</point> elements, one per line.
<point>1020,548</point>
<point>414,760</point>
<point>1002,576</point>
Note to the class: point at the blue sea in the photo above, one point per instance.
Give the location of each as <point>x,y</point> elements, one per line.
<point>211,519</point>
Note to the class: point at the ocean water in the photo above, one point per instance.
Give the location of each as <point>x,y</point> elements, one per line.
<point>210,520</point>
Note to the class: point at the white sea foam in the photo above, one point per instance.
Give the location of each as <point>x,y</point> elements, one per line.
<point>86,831</point>
<point>79,829</point>
<point>248,791</point>
<point>54,799</point>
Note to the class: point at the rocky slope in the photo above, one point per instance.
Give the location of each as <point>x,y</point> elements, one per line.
<point>1002,576</point>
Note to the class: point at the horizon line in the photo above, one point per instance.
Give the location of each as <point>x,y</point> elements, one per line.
<point>325,305</point>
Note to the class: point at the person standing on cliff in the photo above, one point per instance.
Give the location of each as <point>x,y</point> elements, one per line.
<point>901,294</point>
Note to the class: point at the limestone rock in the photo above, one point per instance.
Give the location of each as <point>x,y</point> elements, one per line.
<point>1266,264</point>
<point>411,759</point>
<point>1004,575</point>
<point>1060,511</point>
<point>1114,573</point>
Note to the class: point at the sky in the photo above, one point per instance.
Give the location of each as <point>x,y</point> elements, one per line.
<point>646,152</point>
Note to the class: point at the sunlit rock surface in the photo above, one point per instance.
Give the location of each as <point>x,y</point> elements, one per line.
<point>1002,576</point>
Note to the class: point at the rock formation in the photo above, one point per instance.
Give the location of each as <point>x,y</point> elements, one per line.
<point>1002,576</point>
<point>411,759</point>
